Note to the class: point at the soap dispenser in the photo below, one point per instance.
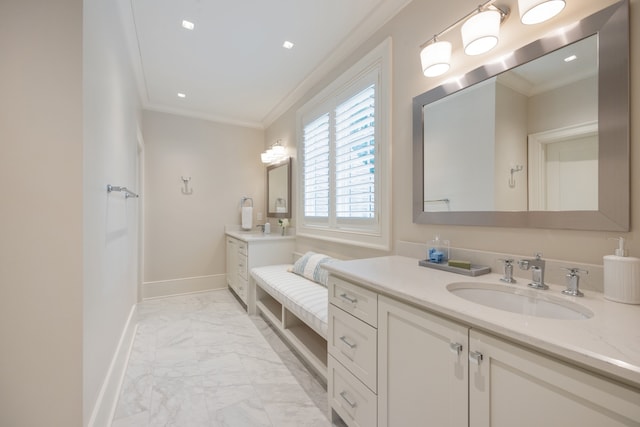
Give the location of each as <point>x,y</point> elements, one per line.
<point>621,276</point>
<point>438,250</point>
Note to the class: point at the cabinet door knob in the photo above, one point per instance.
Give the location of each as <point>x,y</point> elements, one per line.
<point>456,348</point>
<point>350,402</point>
<point>348,298</point>
<point>475,357</point>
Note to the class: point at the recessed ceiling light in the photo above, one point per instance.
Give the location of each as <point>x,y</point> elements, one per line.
<point>181,95</point>
<point>188,25</point>
<point>570,58</point>
<point>287,45</point>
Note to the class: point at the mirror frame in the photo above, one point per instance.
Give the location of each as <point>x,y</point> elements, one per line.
<point>613,214</point>
<point>269,169</point>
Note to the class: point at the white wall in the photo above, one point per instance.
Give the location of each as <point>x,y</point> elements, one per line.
<point>409,29</point>
<point>573,104</point>
<point>510,149</point>
<point>41,213</point>
<point>467,142</point>
<point>111,112</point>
<point>184,234</point>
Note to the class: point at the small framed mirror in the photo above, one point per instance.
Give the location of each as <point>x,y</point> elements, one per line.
<point>279,190</point>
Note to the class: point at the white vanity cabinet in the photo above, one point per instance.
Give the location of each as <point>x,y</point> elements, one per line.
<point>245,251</point>
<point>237,267</point>
<point>422,368</point>
<point>352,344</point>
<point>513,386</point>
<point>435,371</point>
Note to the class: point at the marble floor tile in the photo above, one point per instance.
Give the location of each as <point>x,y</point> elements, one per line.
<point>199,360</point>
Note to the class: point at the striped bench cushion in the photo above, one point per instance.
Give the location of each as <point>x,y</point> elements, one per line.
<point>306,299</point>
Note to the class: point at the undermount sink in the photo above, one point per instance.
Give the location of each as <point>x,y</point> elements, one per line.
<point>521,301</point>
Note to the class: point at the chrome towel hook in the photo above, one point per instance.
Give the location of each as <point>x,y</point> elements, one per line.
<point>186,190</point>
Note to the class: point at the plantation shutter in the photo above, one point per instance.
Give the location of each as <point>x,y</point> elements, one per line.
<point>355,156</point>
<point>316,167</point>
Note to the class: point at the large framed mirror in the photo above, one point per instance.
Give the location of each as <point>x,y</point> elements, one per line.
<point>279,190</point>
<point>539,139</point>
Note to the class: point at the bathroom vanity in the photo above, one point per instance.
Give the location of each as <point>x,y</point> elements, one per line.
<point>246,250</point>
<point>404,350</point>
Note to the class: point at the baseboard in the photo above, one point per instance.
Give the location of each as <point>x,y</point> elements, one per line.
<point>163,288</point>
<point>105,407</point>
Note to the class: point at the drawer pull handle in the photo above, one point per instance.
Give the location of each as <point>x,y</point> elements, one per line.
<point>348,298</point>
<point>456,348</point>
<point>475,357</point>
<point>345,340</point>
<point>350,402</point>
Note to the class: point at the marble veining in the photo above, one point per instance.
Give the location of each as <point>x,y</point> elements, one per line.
<point>200,360</point>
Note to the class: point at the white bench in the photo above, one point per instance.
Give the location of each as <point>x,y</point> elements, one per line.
<point>298,309</point>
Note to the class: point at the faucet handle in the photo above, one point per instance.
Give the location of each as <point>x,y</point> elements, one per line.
<point>538,255</point>
<point>573,281</point>
<point>574,271</point>
<point>508,271</point>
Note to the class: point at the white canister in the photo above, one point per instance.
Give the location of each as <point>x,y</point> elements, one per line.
<point>622,277</point>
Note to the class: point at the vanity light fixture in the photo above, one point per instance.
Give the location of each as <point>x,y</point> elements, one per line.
<point>287,45</point>
<point>276,153</point>
<point>480,33</point>
<point>537,11</point>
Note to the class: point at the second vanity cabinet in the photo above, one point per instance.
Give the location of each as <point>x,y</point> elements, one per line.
<point>435,371</point>
<point>246,251</point>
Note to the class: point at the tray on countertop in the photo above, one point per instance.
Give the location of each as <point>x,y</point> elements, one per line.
<point>476,270</point>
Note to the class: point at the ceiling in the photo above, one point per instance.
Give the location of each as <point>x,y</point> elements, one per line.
<point>232,66</point>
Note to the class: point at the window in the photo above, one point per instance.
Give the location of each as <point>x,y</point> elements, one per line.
<point>344,156</point>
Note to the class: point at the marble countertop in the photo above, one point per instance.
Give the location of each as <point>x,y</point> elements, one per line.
<point>256,236</point>
<point>608,342</point>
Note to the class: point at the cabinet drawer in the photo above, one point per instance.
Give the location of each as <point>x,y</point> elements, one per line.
<point>242,247</point>
<point>355,300</point>
<point>349,398</point>
<point>354,344</point>
<point>242,266</point>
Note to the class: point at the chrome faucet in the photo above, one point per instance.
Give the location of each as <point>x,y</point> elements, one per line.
<point>508,271</point>
<point>537,271</point>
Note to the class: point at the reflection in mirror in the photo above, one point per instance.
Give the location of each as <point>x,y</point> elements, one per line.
<point>279,190</point>
<point>549,105</point>
<point>539,139</point>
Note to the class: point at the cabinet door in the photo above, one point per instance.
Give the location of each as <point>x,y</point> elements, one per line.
<point>422,371</point>
<point>232,262</point>
<point>513,386</point>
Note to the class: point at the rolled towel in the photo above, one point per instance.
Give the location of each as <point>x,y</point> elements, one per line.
<point>247,217</point>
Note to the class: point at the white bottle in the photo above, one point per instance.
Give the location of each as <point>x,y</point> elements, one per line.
<point>267,228</point>
<point>621,276</point>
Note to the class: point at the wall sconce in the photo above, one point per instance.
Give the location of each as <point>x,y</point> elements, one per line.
<point>276,153</point>
<point>481,31</point>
